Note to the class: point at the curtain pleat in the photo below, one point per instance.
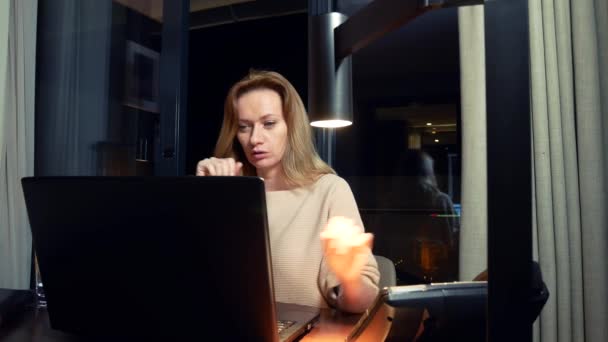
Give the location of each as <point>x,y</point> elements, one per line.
<point>474,219</point>
<point>543,191</point>
<point>17,77</point>
<point>591,165</point>
<point>569,101</point>
<point>569,173</point>
<point>567,141</point>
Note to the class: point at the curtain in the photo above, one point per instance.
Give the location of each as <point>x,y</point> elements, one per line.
<point>569,101</point>
<point>589,29</point>
<point>73,86</point>
<point>555,184</point>
<point>569,165</point>
<point>17,89</point>
<point>474,219</point>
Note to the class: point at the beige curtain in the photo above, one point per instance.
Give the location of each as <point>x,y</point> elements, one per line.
<point>568,116</point>
<point>474,219</point>
<point>17,85</point>
<point>589,30</point>
<point>569,97</point>
<point>555,173</point>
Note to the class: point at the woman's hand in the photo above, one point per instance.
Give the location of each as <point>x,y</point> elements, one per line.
<point>346,248</point>
<point>219,167</point>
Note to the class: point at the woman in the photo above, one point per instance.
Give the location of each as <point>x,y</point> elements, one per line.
<point>320,253</point>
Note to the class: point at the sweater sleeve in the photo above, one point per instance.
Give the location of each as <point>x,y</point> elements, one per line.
<point>342,203</point>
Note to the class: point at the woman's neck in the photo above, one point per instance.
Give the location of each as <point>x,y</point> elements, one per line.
<point>274,179</point>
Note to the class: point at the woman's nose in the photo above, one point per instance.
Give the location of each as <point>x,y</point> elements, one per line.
<point>256,136</point>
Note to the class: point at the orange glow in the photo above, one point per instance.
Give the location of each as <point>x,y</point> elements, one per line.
<point>432,253</point>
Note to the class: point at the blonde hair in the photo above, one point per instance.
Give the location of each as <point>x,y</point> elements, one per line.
<point>301,163</point>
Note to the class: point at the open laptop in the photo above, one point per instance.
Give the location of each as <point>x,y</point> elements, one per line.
<point>159,257</point>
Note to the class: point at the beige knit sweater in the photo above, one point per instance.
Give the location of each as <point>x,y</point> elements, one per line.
<point>296,218</point>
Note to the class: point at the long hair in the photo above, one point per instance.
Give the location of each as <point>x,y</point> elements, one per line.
<point>301,162</point>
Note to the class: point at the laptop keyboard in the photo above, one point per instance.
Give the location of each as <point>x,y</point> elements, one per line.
<point>282,325</point>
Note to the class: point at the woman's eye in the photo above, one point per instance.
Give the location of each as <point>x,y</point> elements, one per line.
<point>243,128</point>
<point>269,123</point>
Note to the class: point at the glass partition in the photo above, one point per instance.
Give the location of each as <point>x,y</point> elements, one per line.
<point>97,97</point>
<point>401,156</point>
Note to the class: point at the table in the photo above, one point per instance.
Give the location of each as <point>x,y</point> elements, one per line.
<point>333,326</point>
<point>34,326</point>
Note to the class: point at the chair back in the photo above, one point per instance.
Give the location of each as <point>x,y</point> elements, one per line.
<point>388,276</point>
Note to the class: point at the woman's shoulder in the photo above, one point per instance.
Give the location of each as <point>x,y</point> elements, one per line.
<point>443,199</point>
<point>330,181</point>
<point>322,183</point>
<point>328,178</point>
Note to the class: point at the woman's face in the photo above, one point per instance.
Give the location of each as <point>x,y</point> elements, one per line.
<point>262,129</point>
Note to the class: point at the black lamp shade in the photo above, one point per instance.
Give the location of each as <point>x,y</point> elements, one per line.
<point>330,102</point>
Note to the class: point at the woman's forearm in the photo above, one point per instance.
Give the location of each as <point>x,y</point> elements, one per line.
<point>356,295</point>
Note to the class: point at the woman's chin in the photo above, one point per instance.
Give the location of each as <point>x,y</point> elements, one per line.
<point>263,164</point>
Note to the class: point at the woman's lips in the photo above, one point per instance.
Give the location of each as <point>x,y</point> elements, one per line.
<point>259,155</point>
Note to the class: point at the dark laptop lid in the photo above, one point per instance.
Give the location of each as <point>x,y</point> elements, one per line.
<point>158,256</point>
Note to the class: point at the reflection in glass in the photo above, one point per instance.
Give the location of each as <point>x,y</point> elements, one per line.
<point>39,287</point>
<point>402,154</point>
<point>417,221</point>
<point>98,93</point>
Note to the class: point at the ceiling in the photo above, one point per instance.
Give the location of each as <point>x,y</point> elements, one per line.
<point>437,117</point>
<point>418,55</point>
